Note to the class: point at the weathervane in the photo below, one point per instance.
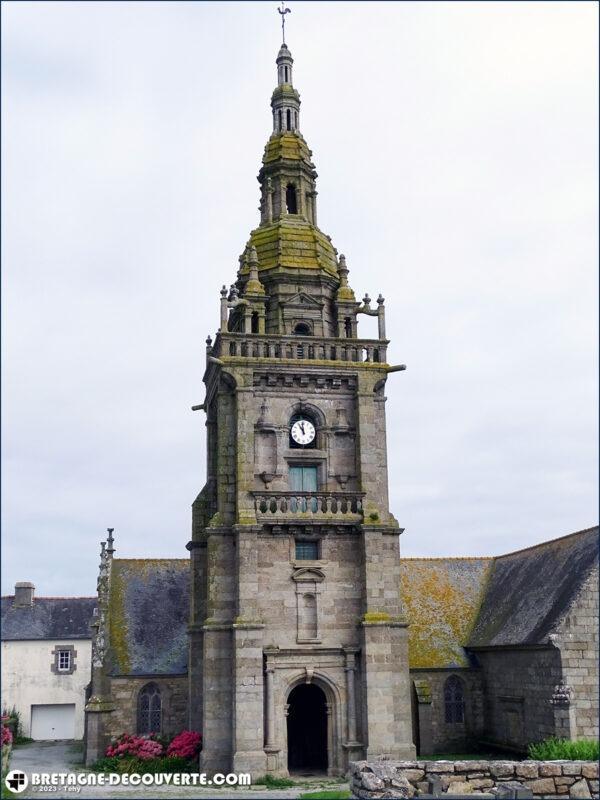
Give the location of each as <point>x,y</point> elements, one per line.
<point>283,11</point>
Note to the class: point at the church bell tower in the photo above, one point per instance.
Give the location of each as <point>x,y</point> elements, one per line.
<point>298,645</point>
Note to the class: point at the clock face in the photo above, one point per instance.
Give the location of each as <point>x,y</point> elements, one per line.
<point>303,431</point>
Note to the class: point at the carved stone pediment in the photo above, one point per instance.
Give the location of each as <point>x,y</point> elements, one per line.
<point>301,300</point>
<point>306,574</point>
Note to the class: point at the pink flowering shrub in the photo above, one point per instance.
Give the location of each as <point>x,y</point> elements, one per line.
<point>185,745</point>
<point>7,736</point>
<point>136,746</point>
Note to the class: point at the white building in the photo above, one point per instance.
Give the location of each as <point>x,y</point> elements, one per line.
<point>46,661</point>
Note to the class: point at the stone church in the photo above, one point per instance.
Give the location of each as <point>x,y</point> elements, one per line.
<point>294,637</point>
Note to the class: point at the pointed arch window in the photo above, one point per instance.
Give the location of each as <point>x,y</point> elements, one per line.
<point>454,700</point>
<point>149,716</point>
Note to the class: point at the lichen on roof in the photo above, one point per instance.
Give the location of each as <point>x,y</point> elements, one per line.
<point>288,146</point>
<point>148,616</point>
<point>293,243</point>
<point>441,599</point>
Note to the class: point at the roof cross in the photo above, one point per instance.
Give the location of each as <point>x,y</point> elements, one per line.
<point>283,11</point>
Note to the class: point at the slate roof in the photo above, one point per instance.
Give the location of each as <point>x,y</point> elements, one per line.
<point>441,598</point>
<point>148,616</point>
<point>48,618</point>
<point>530,591</point>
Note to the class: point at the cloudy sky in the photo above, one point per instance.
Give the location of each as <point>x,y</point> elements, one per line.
<point>456,146</point>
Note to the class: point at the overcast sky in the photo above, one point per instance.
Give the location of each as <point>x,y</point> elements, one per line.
<point>456,146</point>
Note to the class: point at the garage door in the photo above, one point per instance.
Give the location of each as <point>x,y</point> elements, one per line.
<point>53,722</point>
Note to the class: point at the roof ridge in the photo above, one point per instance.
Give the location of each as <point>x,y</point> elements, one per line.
<point>164,558</point>
<point>548,542</point>
<point>447,558</point>
<point>52,597</point>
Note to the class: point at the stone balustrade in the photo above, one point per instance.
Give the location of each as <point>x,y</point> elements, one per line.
<point>294,505</point>
<point>299,348</point>
<point>547,779</point>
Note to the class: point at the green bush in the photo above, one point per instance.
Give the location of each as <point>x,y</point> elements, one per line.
<point>271,782</point>
<point>556,749</point>
<point>131,765</point>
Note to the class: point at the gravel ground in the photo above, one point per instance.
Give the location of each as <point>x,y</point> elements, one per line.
<point>66,757</point>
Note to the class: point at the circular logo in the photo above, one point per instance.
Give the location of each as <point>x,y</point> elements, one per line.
<point>16,781</point>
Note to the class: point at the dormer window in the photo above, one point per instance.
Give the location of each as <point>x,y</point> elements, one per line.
<point>291,201</point>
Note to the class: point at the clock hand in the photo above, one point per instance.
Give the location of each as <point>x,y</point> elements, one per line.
<point>302,428</point>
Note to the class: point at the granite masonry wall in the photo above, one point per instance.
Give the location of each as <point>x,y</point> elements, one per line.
<point>518,686</point>
<point>125,692</point>
<point>548,779</point>
<point>433,733</point>
<point>577,640</point>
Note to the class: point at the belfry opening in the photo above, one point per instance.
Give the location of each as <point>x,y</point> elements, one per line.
<point>307,729</point>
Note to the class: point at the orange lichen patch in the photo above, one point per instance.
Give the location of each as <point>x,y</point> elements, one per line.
<point>441,599</point>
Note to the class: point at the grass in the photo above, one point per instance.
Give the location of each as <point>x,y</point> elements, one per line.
<point>271,782</point>
<point>556,749</point>
<point>21,740</point>
<point>339,795</point>
<point>467,757</point>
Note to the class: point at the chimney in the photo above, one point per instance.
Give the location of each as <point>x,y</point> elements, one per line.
<point>24,594</point>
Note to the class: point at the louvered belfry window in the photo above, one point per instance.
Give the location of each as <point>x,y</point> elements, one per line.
<point>149,709</point>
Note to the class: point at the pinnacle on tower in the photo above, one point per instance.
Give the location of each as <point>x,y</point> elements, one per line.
<point>285,101</point>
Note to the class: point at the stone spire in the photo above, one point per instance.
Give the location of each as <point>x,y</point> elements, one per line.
<point>285,100</point>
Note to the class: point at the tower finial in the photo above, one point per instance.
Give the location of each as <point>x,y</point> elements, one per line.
<point>283,11</point>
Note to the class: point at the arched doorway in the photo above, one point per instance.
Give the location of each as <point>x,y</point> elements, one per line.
<point>307,729</point>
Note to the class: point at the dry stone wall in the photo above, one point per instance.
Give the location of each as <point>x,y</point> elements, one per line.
<point>547,779</point>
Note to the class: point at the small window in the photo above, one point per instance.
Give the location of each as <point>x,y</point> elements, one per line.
<point>254,322</point>
<point>454,701</point>
<point>279,113</point>
<point>302,329</point>
<point>288,115</point>
<point>348,327</point>
<point>295,120</point>
<point>285,69</point>
<point>64,660</point>
<point>307,551</point>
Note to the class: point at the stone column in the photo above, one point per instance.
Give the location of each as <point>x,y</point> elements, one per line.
<point>381,317</point>
<point>270,716</point>
<point>349,669</point>
<point>269,193</point>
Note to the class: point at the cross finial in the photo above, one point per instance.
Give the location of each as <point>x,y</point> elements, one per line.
<point>283,11</point>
